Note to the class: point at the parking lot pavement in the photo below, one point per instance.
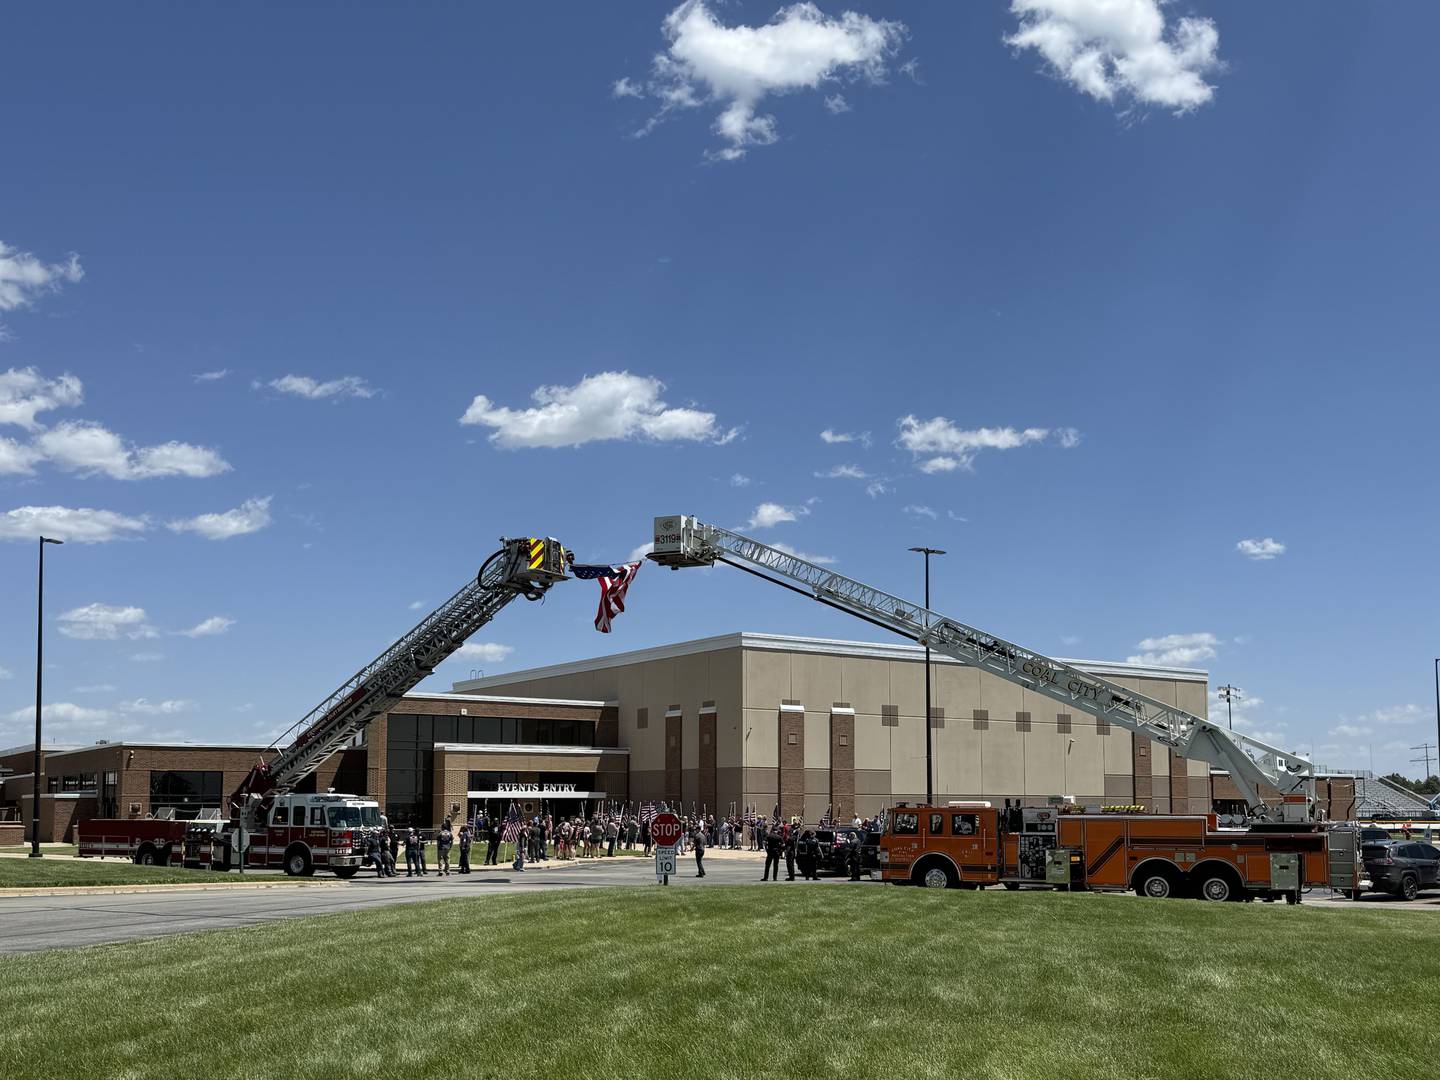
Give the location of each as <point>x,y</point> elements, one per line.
<point>30,924</point>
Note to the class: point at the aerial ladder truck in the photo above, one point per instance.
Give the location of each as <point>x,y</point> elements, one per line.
<point>268,824</point>
<point>1254,766</point>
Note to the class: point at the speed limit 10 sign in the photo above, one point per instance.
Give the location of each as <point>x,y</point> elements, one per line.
<point>665,829</point>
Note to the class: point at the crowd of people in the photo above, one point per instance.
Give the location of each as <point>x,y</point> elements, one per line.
<point>539,838</point>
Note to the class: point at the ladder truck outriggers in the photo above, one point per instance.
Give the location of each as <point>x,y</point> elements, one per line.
<point>270,825</point>
<point>1284,849</point>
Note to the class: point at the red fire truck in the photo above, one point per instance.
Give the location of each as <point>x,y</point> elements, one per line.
<point>271,826</point>
<point>973,844</point>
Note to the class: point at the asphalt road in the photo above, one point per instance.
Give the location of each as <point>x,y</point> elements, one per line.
<point>32,924</point>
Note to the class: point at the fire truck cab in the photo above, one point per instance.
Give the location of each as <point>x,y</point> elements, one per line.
<point>301,834</point>
<point>971,845</point>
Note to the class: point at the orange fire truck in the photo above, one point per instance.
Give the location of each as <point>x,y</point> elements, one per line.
<point>973,844</point>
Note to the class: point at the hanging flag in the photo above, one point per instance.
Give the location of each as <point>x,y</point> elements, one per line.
<point>511,832</point>
<point>614,581</point>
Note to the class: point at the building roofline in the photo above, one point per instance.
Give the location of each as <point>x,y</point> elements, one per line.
<point>45,748</point>
<point>788,643</point>
<point>441,695</point>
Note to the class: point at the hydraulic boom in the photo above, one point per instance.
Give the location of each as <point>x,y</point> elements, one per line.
<point>684,541</point>
<point>522,567</point>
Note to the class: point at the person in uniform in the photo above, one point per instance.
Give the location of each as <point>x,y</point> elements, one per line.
<point>492,842</point>
<point>412,853</point>
<point>773,847</point>
<point>465,841</point>
<point>444,841</point>
<point>853,855</point>
<point>788,837</point>
<point>699,839</point>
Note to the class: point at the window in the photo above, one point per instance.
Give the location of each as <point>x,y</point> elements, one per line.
<point>982,719</point>
<point>642,718</point>
<point>906,824</point>
<point>937,824</point>
<point>447,729</point>
<point>844,740</point>
<point>299,818</point>
<point>280,815</point>
<point>187,792</point>
<point>1062,723</point>
<point>792,738</point>
<point>965,824</point>
<point>510,730</point>
<point>1022,721</point>
<point>317,815</point>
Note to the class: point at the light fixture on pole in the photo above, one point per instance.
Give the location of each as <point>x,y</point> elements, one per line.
<point>1229,694</point>
<point>929,722</point>
<point>39,678</point>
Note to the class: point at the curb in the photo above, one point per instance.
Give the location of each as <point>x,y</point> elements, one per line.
<point>185,886</point>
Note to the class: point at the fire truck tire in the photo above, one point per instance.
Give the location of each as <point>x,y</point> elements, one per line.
<point>935,874</point>
<point>345,873</point>
<point>1157,882</point>
<point>298,862</point>
<point>1011,886</point>
<point>1217,885</point>
<point>145,856</point>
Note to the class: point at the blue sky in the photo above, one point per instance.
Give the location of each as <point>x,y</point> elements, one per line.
<point>1146,284</point>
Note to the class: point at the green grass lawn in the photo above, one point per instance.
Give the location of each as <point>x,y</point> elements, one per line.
<point>747,981</point>
<point>45,849</point>
<point>57,873</point>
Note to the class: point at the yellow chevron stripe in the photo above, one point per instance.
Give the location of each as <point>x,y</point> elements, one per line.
<point>537,553</point>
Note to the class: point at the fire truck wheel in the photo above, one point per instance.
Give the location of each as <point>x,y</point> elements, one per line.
<point>345,873</point>
<point>1157,883</point>
<point>1011,886</point>
<point>298,862</point>
<point>149,855</point>
<point>936,875</point>
<point>1218,887</point>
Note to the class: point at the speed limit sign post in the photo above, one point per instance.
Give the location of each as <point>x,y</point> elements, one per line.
<point>665,830</point>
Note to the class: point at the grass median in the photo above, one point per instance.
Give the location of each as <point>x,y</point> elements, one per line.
<point>67,873</point>
<point>747,981</point>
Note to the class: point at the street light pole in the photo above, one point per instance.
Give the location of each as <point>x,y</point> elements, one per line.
<point>39,681</point>
<point>929,740</point>
<point>1230,693</point>
<point>1437,703</point>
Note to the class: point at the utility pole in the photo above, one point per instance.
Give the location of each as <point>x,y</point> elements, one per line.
<point>1426,749</point>
<point>1229,694</point>
<point>39,679</point>
<point>929,721</point>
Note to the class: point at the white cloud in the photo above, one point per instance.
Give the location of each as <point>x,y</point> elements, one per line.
<point>212,376</point>
<point>876,488</point>
<point>1069,437</point>
<point>96,688</point>
<point>836,104</point>
<point>844,472</point>
<point>833,437</point>
<point>306,387</point>
<point>1260,550</point>
<point>6,673</point>
<point>250,516</point>
<point>956,517</point>
<point>950,447</point>
<point>818,560</point>
<point>612,405</point>
<point>1387,716</point>
<point>921,511</point>
<point>106,622</point>
<point>216,624</point>
<point>1351,731</point>
<point>25,392</point>
<point>61,713</point>
<point>79,526</point>
<point>769,514</point>
<point>1121,50</point>
<point>17,459</point>
<point>740,480</point>
<point>416,605</point>
<point>737,67</point>
<point>156,708</point>
<point>147,657</point>
<point>23,277</point>
<point>1176,650</point>
<point>88,448</point>
<point>488,652</point>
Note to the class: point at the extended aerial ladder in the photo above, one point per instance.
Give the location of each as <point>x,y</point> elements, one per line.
<point>682,541</point>
<point>522,567</point>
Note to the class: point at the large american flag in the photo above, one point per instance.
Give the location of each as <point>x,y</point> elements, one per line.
<point>647,811</point>
<point>614,581</point>
<point>511,832</point>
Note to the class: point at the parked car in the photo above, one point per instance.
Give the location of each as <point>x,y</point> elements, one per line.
<point>835,849</point>
<point>1402,867</point>
<point>1371,834</point>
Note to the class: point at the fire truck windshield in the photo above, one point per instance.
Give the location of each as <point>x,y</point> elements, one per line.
<point>354,817</point>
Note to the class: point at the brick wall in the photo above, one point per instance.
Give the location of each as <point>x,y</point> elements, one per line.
<point>792,761</point>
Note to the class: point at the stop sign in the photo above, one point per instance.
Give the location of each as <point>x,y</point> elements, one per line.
<point>665,829</point>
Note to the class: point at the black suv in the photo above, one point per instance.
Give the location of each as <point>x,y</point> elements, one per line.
<point>835,849</point>
<point>1402,867</point>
